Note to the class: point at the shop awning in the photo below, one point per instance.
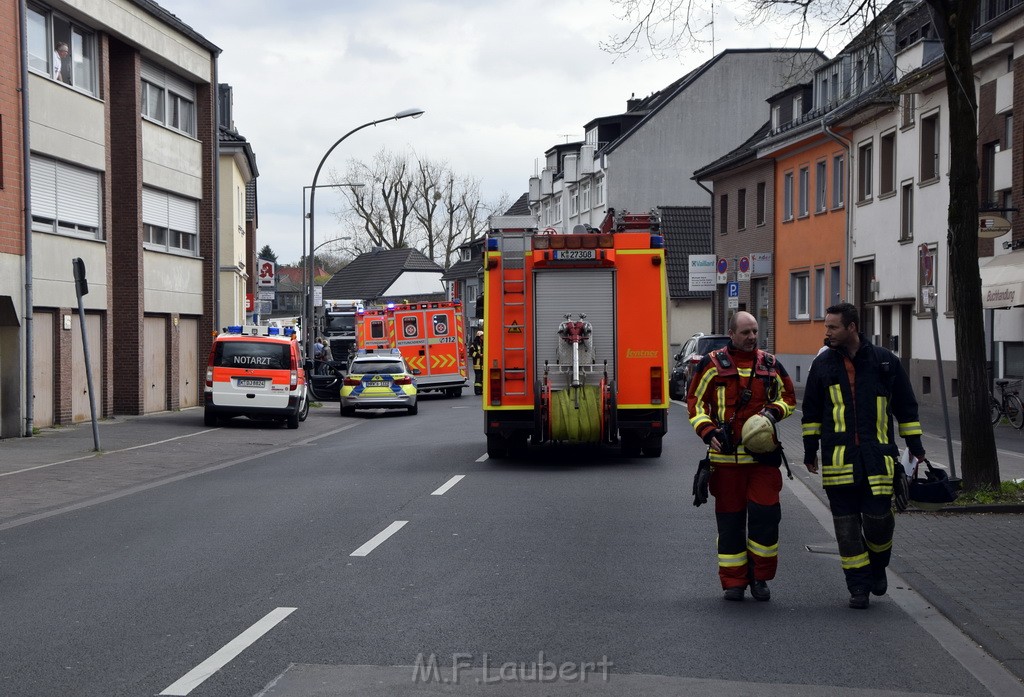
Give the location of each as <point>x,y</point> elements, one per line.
<point>1002,281</point>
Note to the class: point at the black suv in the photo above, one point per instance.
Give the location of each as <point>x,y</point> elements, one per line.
<point>687,359</point>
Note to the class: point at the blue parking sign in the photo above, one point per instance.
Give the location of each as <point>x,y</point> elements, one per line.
<point>732,289</point>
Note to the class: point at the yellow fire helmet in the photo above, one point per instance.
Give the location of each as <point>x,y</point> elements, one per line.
<point>759,434</point>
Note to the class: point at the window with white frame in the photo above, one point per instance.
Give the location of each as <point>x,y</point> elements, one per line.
<point>804,195</point>
<point>799,295</point>
<point>585,196</point>
<point>865,163</point>
<point>556,207</point>
<point>798,107</point>
<point>820,293</point>
<point>599,192</point>
<point>65,198</point>
<point>838,180</point>
<point>787,196</point>
<point>776,117</point>
<point>820,184</point>
<point>168,99</point>
<point>60,49</point>
<point>907,211</point>
<point>887,164</point>
<point>930,147</point>
<point>574,201</point>
<point>170,223</point>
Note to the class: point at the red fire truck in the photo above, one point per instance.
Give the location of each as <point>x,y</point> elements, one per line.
<point>430,337</point>
<point>575,335</point>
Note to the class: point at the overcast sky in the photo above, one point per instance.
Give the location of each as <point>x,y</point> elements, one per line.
<point>501,82</point>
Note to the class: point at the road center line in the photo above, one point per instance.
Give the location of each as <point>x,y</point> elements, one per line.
<point>227,653</point>
<point>377,539</point>
<point>448,485</point>
<point>482,458</point>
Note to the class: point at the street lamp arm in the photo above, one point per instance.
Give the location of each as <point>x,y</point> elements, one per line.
<point>308,329</point>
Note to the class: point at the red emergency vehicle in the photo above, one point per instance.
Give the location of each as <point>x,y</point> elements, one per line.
<point>575,335</point>
<point>430,337</point>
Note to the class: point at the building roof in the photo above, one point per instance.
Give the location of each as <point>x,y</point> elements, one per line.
<point>747,152</point>
<point>465,269</point>
<point>369,275</point>
<point>164,16</point>
<point>687,230</point>
<point>657,101</point>
<point>521,206</point>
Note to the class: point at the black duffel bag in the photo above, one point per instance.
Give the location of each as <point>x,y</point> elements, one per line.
<point>935,488</point>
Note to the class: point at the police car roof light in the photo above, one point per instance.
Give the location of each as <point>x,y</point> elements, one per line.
<point>395,352</point>
<point>361,352</point>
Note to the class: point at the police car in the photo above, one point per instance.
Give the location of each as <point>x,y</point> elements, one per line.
<point>378,381</point>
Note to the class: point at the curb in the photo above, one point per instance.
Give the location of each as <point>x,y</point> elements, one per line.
<point>971,508</point>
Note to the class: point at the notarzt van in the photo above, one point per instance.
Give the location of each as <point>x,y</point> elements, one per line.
<point>256,371</point>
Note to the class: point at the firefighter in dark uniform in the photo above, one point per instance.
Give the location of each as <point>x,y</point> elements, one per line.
<point>476,354</point>
<point>855,393</point>
<point>730,386</point>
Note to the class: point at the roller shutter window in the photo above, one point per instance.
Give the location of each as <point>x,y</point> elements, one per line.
<point>65,198</point>
<point>170,223</point>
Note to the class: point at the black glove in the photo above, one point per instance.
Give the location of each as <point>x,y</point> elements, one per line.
<point>700,482</point>
<point>718,433</point>
<point>900,488</point>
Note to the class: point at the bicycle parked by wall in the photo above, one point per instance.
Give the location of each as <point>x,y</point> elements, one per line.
<point>1008,405</point>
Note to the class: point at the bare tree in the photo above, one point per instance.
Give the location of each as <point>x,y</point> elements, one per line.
<point>669,26</point>
<point>415,202</point>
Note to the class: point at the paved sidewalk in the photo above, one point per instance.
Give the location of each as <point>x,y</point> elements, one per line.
<point>970,566</point>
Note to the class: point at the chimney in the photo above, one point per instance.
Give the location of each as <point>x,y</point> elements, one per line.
<point>632,103</point>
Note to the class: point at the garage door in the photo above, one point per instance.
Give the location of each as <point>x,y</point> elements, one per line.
<point>574,291</point>
<point>155,364</point>
<point>79,375</point>
<point>188,370</point>
<point>42,369</point>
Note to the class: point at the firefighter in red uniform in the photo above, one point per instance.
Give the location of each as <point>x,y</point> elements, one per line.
<point>730,386</point>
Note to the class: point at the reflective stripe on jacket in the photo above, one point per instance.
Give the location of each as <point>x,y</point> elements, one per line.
<point>717,385</point>
<point>862,422</point>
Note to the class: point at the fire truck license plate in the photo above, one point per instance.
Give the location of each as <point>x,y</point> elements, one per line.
<point>252,382</point>
<point>575,254</point>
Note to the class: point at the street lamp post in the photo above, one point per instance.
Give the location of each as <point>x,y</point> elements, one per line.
<point>307,282</point>
<point>414,113</point>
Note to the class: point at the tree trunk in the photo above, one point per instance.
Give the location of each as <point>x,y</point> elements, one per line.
<point>978,460</point>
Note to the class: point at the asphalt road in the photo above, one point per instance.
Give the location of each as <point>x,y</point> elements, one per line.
<point>522,577</point>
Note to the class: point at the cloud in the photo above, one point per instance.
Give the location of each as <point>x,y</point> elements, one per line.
<point>500,83</point>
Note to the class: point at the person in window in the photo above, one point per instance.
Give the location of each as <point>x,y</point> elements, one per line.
<point>62,63</point>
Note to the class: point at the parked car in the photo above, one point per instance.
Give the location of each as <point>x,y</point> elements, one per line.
<point>687,359</point>
<point>378,381</point>
<point>256,371</point>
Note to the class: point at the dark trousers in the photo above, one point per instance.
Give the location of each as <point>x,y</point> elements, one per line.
<point>864,528</point>
<point>747,511</point>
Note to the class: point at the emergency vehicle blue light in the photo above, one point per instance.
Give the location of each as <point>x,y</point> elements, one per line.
<point>492,244</point>
<point>391,306</point>
<point>289,331</point>
<point>273,331</point>
<point>395,352</point>
<point>235,329</point>
<point>657,242</point>
<point>361,352</point>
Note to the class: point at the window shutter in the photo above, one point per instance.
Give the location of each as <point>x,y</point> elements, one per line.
<point>180,86</point>
<point>78,195</point>
<point>154,208</point>
<point>44,187</point>
<point>183,214</point>
<point>151,73</point>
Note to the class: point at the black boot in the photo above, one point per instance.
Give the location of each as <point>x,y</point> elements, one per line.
<point>760,591</point>
<point>880,584</point>
<point>735,593</point>
<point>859,601</point>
